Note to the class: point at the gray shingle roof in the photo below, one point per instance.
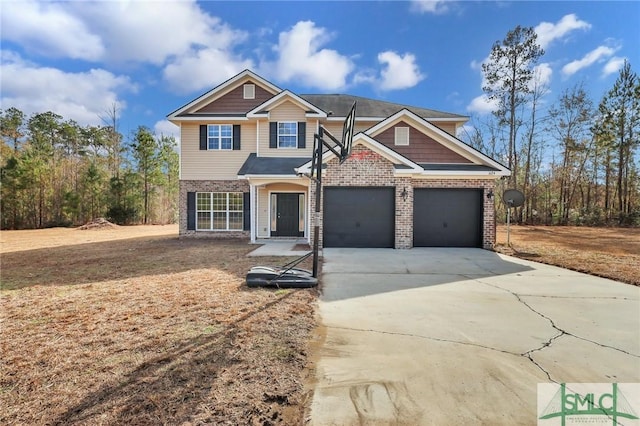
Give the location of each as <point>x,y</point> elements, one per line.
<point>341,104</point>
<point>254,165</point>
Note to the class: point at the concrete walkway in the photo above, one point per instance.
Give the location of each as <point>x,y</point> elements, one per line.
<point>280,248</point>
<point>462,336</point>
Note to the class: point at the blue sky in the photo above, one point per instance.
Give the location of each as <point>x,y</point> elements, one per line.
<point>151,57</point>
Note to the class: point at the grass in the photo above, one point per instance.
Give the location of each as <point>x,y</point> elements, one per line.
<point>607,252</point>
<point>141,327</point>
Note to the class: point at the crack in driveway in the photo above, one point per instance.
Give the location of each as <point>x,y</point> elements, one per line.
<point>561,332</point>
<point>528,354</point>
<point>420,336</point>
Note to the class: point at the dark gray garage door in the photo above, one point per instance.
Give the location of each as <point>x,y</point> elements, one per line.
<point>359,217</point>
<point>447,218</point>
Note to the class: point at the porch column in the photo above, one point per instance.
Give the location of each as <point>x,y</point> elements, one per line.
<point>309,215</point>
<point>252,211</point>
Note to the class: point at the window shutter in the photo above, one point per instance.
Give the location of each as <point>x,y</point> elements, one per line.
<point>273,135</point>
<point>302,134</point>
<point>191,211</point>
<point>203,137</point>
<point>236,137</point>
<point>246,210</point>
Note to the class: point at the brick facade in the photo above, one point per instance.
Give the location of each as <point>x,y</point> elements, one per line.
<point>363,168</point>
<point>209,186</point>
<point>367,168</point>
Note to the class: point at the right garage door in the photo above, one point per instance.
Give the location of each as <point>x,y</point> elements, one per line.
<point>447,217</point>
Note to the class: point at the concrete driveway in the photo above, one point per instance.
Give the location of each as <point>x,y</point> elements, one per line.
<point>462,336</point>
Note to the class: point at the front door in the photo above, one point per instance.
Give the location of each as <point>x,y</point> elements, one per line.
<point>287,212</point>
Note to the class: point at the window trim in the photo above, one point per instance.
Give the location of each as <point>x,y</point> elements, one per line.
<point>219,137</point>
<point>249,91</point>
<point>401,136</point>
<point>295,134</point>
<point>227,212</point>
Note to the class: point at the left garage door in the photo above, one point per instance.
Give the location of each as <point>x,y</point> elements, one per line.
<point>359,217</point>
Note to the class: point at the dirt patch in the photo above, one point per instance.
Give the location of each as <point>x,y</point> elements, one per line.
<point>302,247</point>
<point>96,224</point>
<point>146,330</point>
<point>606,252</point>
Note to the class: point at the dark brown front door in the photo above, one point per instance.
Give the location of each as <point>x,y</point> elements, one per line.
<point>287,216</point>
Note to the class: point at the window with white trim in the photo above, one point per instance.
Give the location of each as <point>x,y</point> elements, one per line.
<point>287,134</point>
<point>249,91</point>
<point>219,211</point>
<point>219,136</point>
<point>402,136</point>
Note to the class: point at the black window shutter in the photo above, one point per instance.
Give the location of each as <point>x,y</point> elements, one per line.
<point>203,137</point>
<point>302,134</point>
<point>191,211</point>
<point>273,135</point>
<point>246,211</point>
<point>236,137</point>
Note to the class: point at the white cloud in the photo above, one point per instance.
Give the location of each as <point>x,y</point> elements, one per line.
<point>548,32</point>
<point>49,29</point>
<point>203,69</point>
<point>167,128</point>
<point>116,31</point>
<point>541,76</point>
<point>483,105</point>
<point>596,55</point>
<point>398,72</point>
<point>437,7</point>
<point>300,58</point>
<point>145,31</point>
<point>82,96</point>
<point>613,65</point>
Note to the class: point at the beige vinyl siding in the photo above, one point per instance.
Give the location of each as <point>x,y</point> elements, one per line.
<point>263,213</point>
<point>286,111</point>
<point>447,127</point>
<point>213,165</point>
<point>335,127</point>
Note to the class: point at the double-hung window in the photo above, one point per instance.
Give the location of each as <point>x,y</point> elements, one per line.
<point>287,134</point>
<point>220,136</point>
<point>219,211</point>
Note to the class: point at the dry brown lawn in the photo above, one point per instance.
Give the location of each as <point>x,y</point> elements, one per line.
<point>133,325</point>
<point>607,252</point>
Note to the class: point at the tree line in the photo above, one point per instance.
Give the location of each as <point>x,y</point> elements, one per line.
<point>55,172</point>
<point>574,159</point>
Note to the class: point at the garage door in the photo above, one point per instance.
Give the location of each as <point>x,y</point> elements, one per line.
<point>447,218</point>
<point>359,217</point>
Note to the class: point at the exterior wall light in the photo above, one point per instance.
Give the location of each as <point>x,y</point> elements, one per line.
<point>490,194</point>
<point>404,194</point>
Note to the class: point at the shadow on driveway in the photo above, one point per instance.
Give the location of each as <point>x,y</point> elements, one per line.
<point>365,272</point>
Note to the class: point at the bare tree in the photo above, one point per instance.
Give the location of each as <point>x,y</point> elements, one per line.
<point>507,74</point>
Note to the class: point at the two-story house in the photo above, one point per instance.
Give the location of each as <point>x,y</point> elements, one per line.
<point>245,155</point>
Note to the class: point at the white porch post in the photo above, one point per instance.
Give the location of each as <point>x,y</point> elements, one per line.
<point>252,211</point>
<point>309,213</point>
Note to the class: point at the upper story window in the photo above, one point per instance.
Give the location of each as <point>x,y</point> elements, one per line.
<point>249,91</point>
<point>287,134</point>
<point>402,136</point>
<point>219,136</point>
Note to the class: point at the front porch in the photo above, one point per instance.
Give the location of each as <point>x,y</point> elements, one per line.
<point>280,210</point>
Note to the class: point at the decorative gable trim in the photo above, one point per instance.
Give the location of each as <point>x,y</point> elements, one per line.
<point>443,137</point>
<point>406,166</point>
<point>222,89</point>
<point>311,111</point>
